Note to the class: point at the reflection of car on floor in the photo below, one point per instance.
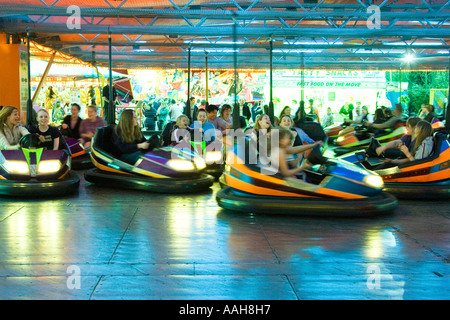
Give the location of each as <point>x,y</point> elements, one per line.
<point>330,188</point>
<point>164,169</point>
<point>34,172</point>
<point>425,178</point>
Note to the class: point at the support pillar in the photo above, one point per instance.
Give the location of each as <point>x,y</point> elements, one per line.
<point>206,78</point>
<point>112,104</point>
<point>188,107</point>
<point>271,106</point>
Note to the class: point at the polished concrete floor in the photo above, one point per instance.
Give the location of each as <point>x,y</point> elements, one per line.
<point>123,244</point>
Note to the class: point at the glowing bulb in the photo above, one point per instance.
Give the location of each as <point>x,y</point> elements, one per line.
<point>409,58</point>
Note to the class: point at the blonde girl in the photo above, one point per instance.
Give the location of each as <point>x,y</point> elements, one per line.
<point>49,136</point>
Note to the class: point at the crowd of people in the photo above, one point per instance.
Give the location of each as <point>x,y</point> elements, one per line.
<point>211,120</point>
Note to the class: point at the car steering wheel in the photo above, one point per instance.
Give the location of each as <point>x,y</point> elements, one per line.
<point>29,141</point>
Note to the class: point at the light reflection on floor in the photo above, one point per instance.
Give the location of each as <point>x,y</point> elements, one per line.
<point>137,245</point>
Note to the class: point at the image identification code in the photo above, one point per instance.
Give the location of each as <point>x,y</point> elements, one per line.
<point>235,309</point>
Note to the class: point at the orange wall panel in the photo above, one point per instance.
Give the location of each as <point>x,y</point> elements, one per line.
<point>13,82</point>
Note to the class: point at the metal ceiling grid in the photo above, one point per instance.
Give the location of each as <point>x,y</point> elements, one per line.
<point>340,34</point>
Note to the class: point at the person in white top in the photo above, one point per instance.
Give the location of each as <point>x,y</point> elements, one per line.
<point>175,110</point>
<point>11,130</point>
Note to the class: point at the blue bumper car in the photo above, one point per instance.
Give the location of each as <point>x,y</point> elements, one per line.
<point>425,178</point>
<point>328,188</point>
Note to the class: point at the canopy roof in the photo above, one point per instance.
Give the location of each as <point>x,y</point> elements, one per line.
<point>325,34</point>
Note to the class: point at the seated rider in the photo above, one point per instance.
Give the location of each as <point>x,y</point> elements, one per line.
<point>427,113</point>
<point>11,130</point>
<point>71,124</point>
<point>279,155</point>
<point>424,142</point>
<point>207,130</point>
<point>89,126</point>
<point>408,139</point>
<point>365,117</point>
<point>180,131</point>
<point>128,138</point>
<point>420,147</point>
<point>390,123</point>
<point>49,136</point>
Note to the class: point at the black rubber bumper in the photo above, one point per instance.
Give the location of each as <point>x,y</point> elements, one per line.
<point>430,191</point>
<point>161,185</point>
<point>69,184</point>
<point>230,199</point>
<point>82,162</point>
<point>214,170</point>
<point>339,151</point>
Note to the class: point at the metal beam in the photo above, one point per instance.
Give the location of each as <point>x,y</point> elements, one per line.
<point>245,45</point>
<point>229,12</point>
<point>241,32</point>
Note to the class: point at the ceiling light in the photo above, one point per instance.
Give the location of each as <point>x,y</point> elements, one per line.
<point>409,57</point>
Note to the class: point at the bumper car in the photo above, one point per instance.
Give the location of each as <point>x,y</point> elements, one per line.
<point>165,170</point>
<point>425,178</point>
<point>333,132</point>
<point>212,154</point>
<point>330,188</point>
<point>34,172</point>
<point>80,156</point>
<point>361,137</point>
<point>315,132</point>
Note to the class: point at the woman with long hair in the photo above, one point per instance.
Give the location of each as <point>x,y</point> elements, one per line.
<point>300,114</point>
<point>287,122</point>
<point>260,133</point>
<point>380,116</point>
<point>285,111</point>
<point>262,126</point>
<point>424,142</point>
<point>128,137</point>
<point>11,130</point>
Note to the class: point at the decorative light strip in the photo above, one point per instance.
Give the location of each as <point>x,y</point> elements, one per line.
<point>37,49</point>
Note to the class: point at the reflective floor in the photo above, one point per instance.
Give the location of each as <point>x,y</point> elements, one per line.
<point>123,244</point>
